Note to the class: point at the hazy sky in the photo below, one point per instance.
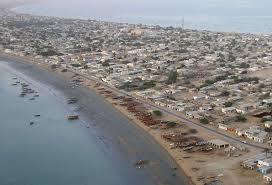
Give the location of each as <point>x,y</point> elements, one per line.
<point>162,7</point>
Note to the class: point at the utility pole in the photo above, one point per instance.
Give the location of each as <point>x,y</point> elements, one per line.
<point>183,23</point>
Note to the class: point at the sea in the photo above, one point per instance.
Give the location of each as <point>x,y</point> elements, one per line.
<point>39,146</point>
<point>242,16</point>
<point>52,151</point>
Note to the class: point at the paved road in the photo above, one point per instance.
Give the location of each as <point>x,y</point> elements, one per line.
<point>196,125</point>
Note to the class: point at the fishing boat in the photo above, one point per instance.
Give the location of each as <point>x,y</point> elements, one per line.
<point>73,117</point>
<point>72,101</point>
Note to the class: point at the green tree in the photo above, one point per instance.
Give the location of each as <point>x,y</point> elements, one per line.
<point>225,93</point>
<point>204,121</point>
<point>172,77</point>
<point>157,112</point>
<point>105,64</point>
<point>228,104</point>
<point>244,65</point>
<point>240,118</point>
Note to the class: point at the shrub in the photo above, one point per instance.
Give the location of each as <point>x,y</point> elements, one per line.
<point>204,121</point>
<point>241,118</point>
<point>228,104</point>
<point>225,93</point>
<point>193,131</point>
<point>157,112</point>
<point>171,123</point>
<point>172,77</point>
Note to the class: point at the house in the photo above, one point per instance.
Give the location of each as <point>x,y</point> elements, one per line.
<point>252,162</point>
<point>265,169</point>
<point>245,108</point>
<point>249,164</point>
<point>254,133</point>
<point>205,108</point>
<point>267,101</point>
<point>200,97</point>
<point>268,177</point>
<point>193,114</point>
<point>229,110</point>
<point>268,124</point>
<point>223,126</point>
<point>265,162</point>
<point>218,143</point>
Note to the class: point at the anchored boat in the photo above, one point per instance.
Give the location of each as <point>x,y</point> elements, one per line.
<point>73,117</point>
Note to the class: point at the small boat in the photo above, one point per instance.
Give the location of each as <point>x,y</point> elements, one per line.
<point>22,95</point>
<point>14,84</point>
<point>73,117</point>
<point>36,96</point>
<point>31,99</point>
<point>72,101</point>
<point>31,91</point>
<point>25,85</point>
<point>31,123</point>
<point>37,115</point>
<point>141,163</point>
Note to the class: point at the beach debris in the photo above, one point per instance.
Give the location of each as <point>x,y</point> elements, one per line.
<point>167,124</point>
<point>188,148</point>
<point>73,117</point>
<point>141,163</point>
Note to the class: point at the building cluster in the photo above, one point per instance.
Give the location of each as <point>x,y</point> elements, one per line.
<point>221,79</point>
<point>262,163</point>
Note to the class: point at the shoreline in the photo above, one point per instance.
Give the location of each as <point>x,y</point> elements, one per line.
<point>199,168</point>
<point>122,112</point>
<point>14,9</point>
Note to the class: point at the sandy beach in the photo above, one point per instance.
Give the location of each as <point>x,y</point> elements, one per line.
<point>200,168</point>
<point>113,128</point>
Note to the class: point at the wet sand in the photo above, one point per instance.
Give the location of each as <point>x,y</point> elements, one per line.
<point>123,140</point>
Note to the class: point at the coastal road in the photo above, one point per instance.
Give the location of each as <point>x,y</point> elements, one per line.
<point>215,132</point>
<point>190,123</point>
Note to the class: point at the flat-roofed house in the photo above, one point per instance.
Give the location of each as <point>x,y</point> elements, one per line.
<point>265,169</point>
<point>218,143</point>
<point>268,177</point>
<point>228,110</point>
<point>268,124</point>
